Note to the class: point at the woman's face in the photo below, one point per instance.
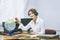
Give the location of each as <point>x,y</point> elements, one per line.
<point>31,14</point>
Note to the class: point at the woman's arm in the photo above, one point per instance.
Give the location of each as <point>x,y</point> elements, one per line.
<point>21,26</point>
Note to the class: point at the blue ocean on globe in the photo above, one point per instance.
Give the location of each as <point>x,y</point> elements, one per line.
<point>9,26</point>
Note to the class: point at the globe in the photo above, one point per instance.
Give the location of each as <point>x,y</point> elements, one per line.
<point>10,25</point>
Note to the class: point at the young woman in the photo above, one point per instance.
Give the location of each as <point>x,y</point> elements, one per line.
<point>37,24</point>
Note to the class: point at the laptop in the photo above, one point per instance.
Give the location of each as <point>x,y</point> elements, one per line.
<point>25,21</point>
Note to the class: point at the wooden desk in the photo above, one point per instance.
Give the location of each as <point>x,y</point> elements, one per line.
<point>44,36</point>
<point>19,37</point>
<point>10,38</point>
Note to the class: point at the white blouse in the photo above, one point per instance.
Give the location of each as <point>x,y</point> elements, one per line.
<point>37,28</point>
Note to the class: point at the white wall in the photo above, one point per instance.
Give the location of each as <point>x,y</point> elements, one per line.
<point>49,10</point>
<point>11,8</point>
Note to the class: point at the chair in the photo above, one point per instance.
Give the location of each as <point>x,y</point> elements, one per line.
<point>50,31</point>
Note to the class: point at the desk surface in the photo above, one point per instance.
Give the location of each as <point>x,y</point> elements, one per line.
<point>30,36</point>
<point>25,36</point>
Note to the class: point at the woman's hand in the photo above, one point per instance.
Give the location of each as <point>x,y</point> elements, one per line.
<point>17,20</point>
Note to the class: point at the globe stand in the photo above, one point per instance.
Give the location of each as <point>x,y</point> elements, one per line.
<point>10,33</point>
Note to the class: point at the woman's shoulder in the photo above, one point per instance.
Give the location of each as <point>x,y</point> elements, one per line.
<point>40,19</point>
